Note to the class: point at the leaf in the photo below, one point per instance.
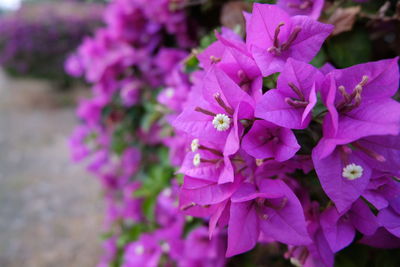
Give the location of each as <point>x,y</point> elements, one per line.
<point>350,48</point>
<point>320,59</point>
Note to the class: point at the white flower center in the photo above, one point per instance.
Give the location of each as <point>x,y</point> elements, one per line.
<point>296,262</point>
<point>196,160</point>
<point>167,192</point>
<point>165,247</point>
<point>139,250</point>
<point>195,145</point>
<point>169,92</point>
<point>221,122</point>
<point>352,171</point>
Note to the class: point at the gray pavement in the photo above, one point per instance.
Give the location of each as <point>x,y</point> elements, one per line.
<point>50,209</point>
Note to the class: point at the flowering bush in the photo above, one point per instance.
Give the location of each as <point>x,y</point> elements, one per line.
<point>255,146</point>
<point>35,40</point>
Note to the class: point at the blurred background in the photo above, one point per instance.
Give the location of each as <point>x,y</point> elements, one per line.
<point>50,211</point>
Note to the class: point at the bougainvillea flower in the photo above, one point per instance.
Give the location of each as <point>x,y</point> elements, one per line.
<point>273,36</point>
<point>381,239</point>
<point>229,53</point>
<point>381,190</point>
<point>318,253</point>
<point>215,115</point>
<point>272,209</point>
<point>381,152</point>
<point>340,229</point>
<point>390,217</point>
<point>200,250</point>
<point>216,51</point>
<point>311,8</point>
<point>145,251</point>
<point>267,140</point>
<point>359,103</point>
<point>290,105</point>
<point>343,175</point>
<point>207,162</point>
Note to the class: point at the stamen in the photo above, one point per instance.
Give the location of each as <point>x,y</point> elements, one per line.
<point>241,169</point>
<point>369,152</point>
<point>213,161</point>
<point>221,102</point>
<point>364,80</point>
<point>344,93</point>
<point>344,153</point>
<point>292,38</point>
<point>346,105</point>
<point>212,150</point>
<point>215,59</point>
<point>276,206</point>
<point>276,34</point>
<point>304,5</point>
<point>204,111</point>
<point>241,75</point>
<point>240,160</point>
<point>297,91</point>
<point>296,103</point>
<point>188,206</point>
<point>260,162</point>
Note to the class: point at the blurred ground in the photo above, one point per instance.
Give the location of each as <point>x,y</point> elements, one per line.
<point>50,210</point>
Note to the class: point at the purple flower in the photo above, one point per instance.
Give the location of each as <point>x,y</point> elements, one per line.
<point>144,252</point>
<point>272,209</point>
<point>229,53</point>
<point>311,8</point>
<point>267,140</point>
<point>290,105</point>
<point>130,92</point>
<point>381,239</point>
<point>200,250</point>
<point>215,113</point>
<point>207,162</point>
<point>343,175</point>
<point>273,36</point>
<point>359,103</point>
<point>381,190</point>
<point>340,228</point>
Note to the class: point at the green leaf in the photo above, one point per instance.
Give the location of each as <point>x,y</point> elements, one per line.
<point>350,48</point>
<point>207,40</point>
<point>320,59</point>
<point>191,64</point>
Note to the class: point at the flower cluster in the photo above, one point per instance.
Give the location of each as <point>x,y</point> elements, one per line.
<point>120,137</point>
<point>37,38</point>
<point>252,154</point>
<point>263,147</point>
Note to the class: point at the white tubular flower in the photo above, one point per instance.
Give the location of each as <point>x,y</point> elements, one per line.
<point>195,145</point>
<point>169,92</point>
<point>196,160</point>
<point>352,171</point>
<point>165,247</point>
<point>295,262</point>
<point>221,122</point>
<point>139,250</point>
